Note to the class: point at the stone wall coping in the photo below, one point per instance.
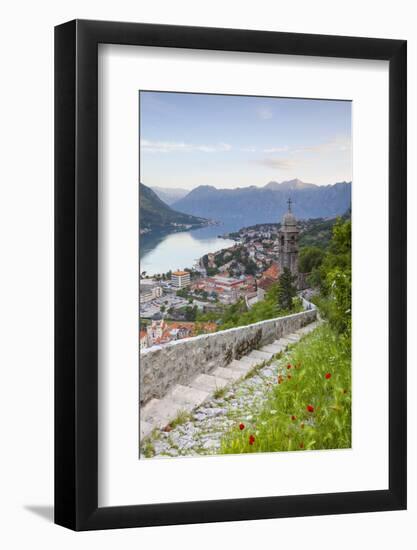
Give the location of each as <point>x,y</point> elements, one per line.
<point>154,349</point>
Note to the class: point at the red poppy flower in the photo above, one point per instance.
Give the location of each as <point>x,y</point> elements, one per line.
<point>241,426</point>
<point>327,376</point>
<point>251,439</point>
<point>288,366</point>
<point>310,408</point>
<point>293,417</point>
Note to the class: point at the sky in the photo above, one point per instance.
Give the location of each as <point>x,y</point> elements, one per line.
<point>228,141</point>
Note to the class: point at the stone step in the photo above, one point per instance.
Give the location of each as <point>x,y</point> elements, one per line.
<point>186,396</point>
<point>250,361</point>
<point>261,355</point>
<point>208,383</point>
<point>293,337</point>
<point>309,328</point>
<point>227,373</point>
<point>273,348</point>
<point>240,366</point>
<point>145,429</point>
<point>159,412</point>
<point>284,342</point>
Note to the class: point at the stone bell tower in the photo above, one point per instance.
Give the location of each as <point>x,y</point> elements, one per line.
<point>288,243</point>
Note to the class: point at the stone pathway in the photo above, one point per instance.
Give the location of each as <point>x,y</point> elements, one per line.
<point>212,403</point>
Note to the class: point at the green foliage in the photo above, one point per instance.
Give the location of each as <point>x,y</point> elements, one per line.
<point>238,315</point>
<point>212,271</point>
<point>182,293</point>
<point>286,290</point>
<point>156,215</point>
<point>250,267</point>
<point>310,257</point>
<point>335,279</point>
<point>190,313</point>
<point>284,423</point>
<point>182,417</point>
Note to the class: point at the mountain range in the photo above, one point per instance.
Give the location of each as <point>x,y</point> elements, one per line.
<point>170,195</point>
<point>155,215</point>
<point>245,206</point>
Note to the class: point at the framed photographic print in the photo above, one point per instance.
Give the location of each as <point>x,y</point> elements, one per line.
<point>230,275</point>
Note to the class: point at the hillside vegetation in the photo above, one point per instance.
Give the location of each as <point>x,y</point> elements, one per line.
<point>156,215</point>
<point>309,406</point>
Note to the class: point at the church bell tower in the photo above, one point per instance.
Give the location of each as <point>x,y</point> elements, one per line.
<point>288,243</point>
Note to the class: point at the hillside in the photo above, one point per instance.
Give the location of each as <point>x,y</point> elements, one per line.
<point>155,215</point>
<point>170,195</point>
<point>313,232</point>
<point>252,205</point>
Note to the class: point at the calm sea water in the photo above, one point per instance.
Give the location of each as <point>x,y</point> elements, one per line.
<point>160,253</point>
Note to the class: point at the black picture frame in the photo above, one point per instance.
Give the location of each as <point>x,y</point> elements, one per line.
<point>76,272</point>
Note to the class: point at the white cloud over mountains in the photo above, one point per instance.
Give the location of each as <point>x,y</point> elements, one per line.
<point>181,147</point>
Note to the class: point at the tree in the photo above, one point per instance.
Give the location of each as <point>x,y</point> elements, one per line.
<point>190,313</point>
<point>251,268</point>
<point>286,290</point>
<point>336,279</point>
<point>311,257</point>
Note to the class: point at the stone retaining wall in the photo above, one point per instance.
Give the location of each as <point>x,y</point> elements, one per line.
<point>161,367</point>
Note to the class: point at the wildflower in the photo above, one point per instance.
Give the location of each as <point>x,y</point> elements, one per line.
<point>293,417</point>
<point>251,439</point>
<point>289,376</point>
<point>327,376</point>
<point>310,408</point>
<point>288,366</point>
<point>241,426</point>
<point>301,445</point>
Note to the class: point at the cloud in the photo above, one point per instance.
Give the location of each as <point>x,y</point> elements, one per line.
<point>264,113</point>
<point>338,143</point>
<point>276,149</point>
<point>181,147</point>
<point>281,163</point>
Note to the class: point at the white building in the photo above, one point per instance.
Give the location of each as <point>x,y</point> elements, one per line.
<point>180,279</point>
<point>149,290</point>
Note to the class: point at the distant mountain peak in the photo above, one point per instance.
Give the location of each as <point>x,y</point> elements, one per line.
<point>288,185</point>
<point>170,194</point>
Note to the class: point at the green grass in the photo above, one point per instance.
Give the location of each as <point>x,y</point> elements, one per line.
<point>285,424</point>
<point>219,393</point>
<point>148,450</point>
<point>182,417</point>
